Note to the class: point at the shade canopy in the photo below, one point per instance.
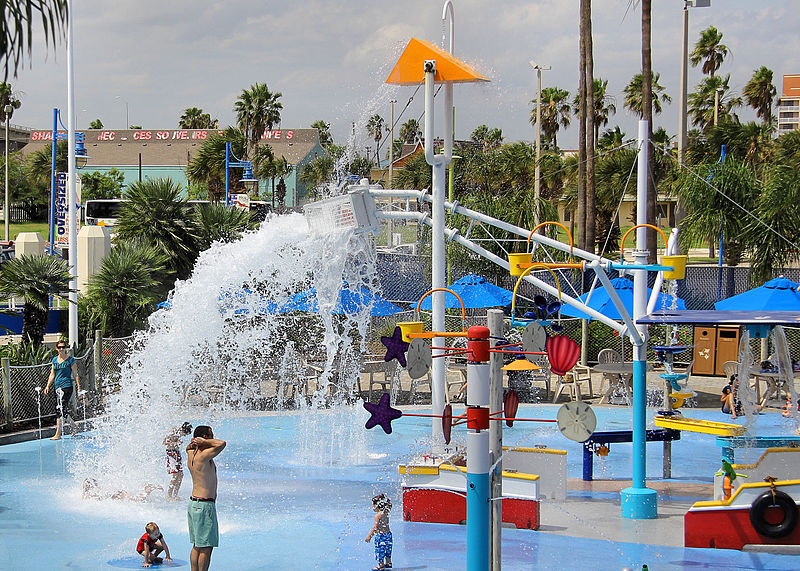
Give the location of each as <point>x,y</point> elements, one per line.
<point>521,364</point>
<point>779,294</point>
<point>601,301</point>
<point>475,292</point>
<point>349,302</point>
<point>409,69</point>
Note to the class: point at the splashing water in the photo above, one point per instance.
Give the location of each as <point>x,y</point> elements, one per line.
<point>210,355</point>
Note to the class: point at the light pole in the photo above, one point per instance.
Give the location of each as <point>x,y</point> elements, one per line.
<point>683,95</point>
<point>7,109</point>
<point>248,180</point>
<point>537,173</point>
<point>125,101</point>
<point>717,91</point>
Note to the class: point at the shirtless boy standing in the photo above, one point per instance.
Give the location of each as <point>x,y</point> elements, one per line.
<point>202,512</point>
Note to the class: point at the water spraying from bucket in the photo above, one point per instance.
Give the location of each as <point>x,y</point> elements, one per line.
<point>205,358</point>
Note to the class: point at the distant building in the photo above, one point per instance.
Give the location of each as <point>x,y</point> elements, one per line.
<point>142,153</point>
<point>789,105</point>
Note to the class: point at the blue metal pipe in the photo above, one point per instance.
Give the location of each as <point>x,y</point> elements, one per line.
<point>53,182</point>
<point>478,522</point>
<point>227,177</point>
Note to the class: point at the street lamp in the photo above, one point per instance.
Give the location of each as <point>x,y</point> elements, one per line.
<point>125,101</point>
<point>249,181</point>
<point>81,159</point>
<point>537,169</point>
<point>8,109</point>
<point>682,112</point>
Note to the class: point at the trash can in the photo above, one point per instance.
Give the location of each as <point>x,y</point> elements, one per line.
<point>705,345</point>
<point>713,347</point>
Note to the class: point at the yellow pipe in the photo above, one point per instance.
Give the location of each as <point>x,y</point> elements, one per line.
<point>622,242</point>
<point>525,273</point>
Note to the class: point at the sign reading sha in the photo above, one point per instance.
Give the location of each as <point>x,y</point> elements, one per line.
<point>144,135</point>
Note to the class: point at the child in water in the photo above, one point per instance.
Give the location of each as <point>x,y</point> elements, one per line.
<point>151,544</point>
<point>381,505</point>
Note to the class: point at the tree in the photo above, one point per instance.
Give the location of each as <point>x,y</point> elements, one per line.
<point>219,223</point>
<point>257,109</point>
<point>96,124</point>
<point>410,131</point>
<point>7,97</point>
<point>759,93</point>
<point>194,118</point>
<point>701,101</point>
<point>102,185</point>
<point>709,50</point>
<point>316,174</point>
<point>555,113</point>
<point>774,231</point>
<point>39,163</point>
<point>718,200</point>
<point>604,106</point>
<point>633,94</point>
<point>126,289</point>
<point>208,164</point>
<point>34,278</point>
<point>611,139</point>
<point>375,127</point>
<point>156,213</point>
<point>486,138</point>
<point>325,137</point>
<point>16,28</point>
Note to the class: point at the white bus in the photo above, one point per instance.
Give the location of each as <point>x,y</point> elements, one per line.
<point>102,212</point>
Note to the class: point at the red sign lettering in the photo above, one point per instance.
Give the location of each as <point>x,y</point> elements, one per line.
<point>199,134</point>
<point>106,136</point>
<point>180,135</point>
<point>142,135</point>
<point>162,135</point>
<point>289,134</point>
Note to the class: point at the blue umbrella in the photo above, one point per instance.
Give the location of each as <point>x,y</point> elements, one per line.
<point>241,302</point>
<point>475,292</point>
<point>349,302</point>
<point>601,301</point>
<point>779,294</point>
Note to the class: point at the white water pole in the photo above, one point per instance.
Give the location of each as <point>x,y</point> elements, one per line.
<point>537,173</point>
<point>639,502</point>
<point>682,97</point>
<point>495,323</point>
<point>72,199</point>
<point>438,257</point>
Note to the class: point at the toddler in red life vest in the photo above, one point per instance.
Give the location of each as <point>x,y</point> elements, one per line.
<point>151,544</point>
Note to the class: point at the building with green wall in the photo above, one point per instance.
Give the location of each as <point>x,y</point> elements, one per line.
<point>150,153</point>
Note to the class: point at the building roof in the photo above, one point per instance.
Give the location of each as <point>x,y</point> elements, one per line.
<point>173,147</point>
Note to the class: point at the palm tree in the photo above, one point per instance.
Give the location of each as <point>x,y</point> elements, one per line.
<point>16,28</point>
<point>719,203</point>
<point>194,118</point>
<point>7,97</point>
<point>96,124</point>
<point>325,137</point>
<point>127,287</point>
<point>218,223</point>
<point>555,113</point>
<point>759,93</point>
<point>710,50</point>
<point>257,109</point>
<point>410,131</point>
<point>34,278</point>
<point>156,213</point>
<point>774,232</point>
<point>611,139</point>
<point>375,130</point>
<point>701,101</point>
<point>486,138</point>
<point>633,94</point>
<point>317,173</point>
<point>207,167</point>
<point>39,163</point>
<point>604,106</point>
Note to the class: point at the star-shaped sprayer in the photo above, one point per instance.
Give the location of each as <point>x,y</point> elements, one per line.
<point>382,414</point>
<point>395,347</point>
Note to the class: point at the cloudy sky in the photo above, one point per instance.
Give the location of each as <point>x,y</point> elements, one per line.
<point>329,58</point>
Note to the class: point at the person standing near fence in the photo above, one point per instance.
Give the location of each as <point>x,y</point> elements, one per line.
<point>64,377</point>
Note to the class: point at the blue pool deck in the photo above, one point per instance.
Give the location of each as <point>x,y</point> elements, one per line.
<point>277,510</point>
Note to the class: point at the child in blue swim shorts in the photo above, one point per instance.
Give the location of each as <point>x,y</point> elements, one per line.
<point>381,505</point>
